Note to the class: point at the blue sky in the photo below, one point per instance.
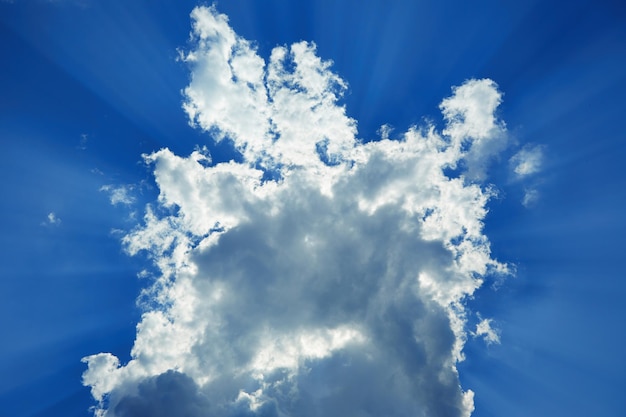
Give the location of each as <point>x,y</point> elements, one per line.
<point>88,87</point>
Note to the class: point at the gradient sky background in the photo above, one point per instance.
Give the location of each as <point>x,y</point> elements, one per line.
<point>87,86</point>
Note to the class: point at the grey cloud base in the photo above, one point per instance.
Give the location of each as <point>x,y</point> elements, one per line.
<point>336,288</point>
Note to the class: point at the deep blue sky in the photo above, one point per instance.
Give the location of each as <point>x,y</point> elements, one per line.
<point>86,87</point>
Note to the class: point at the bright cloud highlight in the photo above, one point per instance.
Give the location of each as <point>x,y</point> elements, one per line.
<point>320,276</point>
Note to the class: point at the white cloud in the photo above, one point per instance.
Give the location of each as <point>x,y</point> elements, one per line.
<point>485,329</point>
<point>528,160</point>
<point>526,163</point>
<point>82,145</point>
<point>51,220</point>
<point>472,124</point>
<point>531,196</point>
<point>121,194</point>
<point>336,288</point>
<point>385,130</point>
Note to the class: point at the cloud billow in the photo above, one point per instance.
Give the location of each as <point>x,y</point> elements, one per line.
<point>320,275</point>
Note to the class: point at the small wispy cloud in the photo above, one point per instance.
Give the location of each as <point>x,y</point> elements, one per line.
<point>82,144</point>
<point>51,220</point>
<point>486,330</point>
<point>384,131</point>
<point>526,164</point>
<point>528,161</point>
<point>531,196</point>
<point>119,194</point>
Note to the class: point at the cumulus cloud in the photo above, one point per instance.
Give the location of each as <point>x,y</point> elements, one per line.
<point>473,125</point>
<point>321,275</point>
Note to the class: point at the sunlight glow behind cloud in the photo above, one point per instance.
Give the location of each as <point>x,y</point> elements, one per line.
<point>319,276</point>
